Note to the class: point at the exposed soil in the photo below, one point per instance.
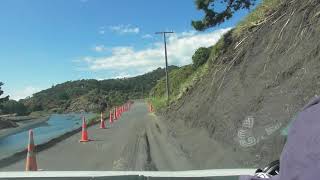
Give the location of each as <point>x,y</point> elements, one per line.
<point>254,88</point>
<point>7,124</point>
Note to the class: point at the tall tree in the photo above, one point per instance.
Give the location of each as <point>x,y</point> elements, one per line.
<point>4,99</point>
<point>213,17</point>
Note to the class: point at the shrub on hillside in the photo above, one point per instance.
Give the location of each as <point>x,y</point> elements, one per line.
<point>200,56</point>
<point>13,106</point>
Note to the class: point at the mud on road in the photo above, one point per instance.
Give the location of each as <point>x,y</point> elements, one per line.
<point>137,141</point>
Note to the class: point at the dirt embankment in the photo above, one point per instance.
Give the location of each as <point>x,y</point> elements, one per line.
<point>7,124</point>
<point>256,87</point>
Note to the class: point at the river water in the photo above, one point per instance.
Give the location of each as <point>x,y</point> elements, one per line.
<point>57,125</point>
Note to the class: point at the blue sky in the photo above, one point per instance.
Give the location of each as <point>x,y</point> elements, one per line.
<point>45,42</point>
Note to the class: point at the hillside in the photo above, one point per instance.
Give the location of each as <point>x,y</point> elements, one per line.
<point>265,70</point>
<point>93,95</point>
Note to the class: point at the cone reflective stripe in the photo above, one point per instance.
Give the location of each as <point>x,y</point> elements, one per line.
<point>31,164</point>
<point>84,134</point>
<point>102,124</point>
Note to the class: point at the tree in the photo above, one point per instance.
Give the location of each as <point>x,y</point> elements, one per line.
<point>213,17</point>
<point>4,99</point>
<point>200,56</point>
<point>12,106</point>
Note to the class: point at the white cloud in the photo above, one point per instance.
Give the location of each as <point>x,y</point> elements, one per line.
<point>99,48</point>
<point>120,76</point>
<point>23,93</point>
<point>147,36</point>
<point>181,47</point>
<point>122,50</point>
<point>101,31</point>
<point>125,29</point>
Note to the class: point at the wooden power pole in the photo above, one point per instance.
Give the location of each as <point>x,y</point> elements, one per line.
<point>166,59</point>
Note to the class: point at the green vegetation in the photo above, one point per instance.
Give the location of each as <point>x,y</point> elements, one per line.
<point>257,16</point>
<point>177,77</point>
<point>93,95</point>
<point>212,17</point>
<point>94,119</point>
<point>12,106</point>
<point>200,56</point>
<point>2,100</point>
<point>183,79</point>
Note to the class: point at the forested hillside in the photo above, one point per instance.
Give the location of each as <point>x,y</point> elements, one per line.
<point>93,95</point>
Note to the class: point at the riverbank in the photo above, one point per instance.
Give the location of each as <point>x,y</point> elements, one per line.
<point>23,126</point>
<point>127,145</point>
<point>15,157</point>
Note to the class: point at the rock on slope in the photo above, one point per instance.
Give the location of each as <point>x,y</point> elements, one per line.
<point>257,85</point>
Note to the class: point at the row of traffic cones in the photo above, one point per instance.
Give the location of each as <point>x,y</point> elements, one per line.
<point>115,114</point>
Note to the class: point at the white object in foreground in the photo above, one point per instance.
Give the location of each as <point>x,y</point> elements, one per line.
<point>73,174</point>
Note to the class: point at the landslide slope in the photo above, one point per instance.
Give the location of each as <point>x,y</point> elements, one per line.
<point>260,80</point>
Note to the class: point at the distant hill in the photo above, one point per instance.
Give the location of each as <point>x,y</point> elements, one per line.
<point>92,95</point>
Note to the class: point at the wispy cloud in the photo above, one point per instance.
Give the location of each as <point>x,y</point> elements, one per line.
<point>147,36</point>
<point>125,29</point>
<point>99,48</point>
<point>181,47</point>
<point>25,92</point>
<point>102,30</point>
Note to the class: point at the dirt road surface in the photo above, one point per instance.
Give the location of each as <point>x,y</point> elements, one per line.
<point>137,141</point>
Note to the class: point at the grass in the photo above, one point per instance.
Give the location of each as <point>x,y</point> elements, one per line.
<point>184,79</point>
<point>39,113</point>
<point>181,81</point>
<point>256,16</point>
<point>95,118</point>
<point>158,102</point>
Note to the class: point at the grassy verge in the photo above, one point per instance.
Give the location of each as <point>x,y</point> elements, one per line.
<point>158,102</point>
<point>94,119</point>
<point>265,8</point>
<point>181,81</point>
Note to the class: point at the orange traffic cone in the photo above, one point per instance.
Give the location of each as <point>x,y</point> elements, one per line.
<point>110,117</point>
<point>118,113</point>
<point>31,164</point>
<point>102,124</point>
<point>84,134</point>
<point>115,114</point>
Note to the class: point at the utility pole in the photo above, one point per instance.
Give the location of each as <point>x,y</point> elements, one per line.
<point>166,59</point>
